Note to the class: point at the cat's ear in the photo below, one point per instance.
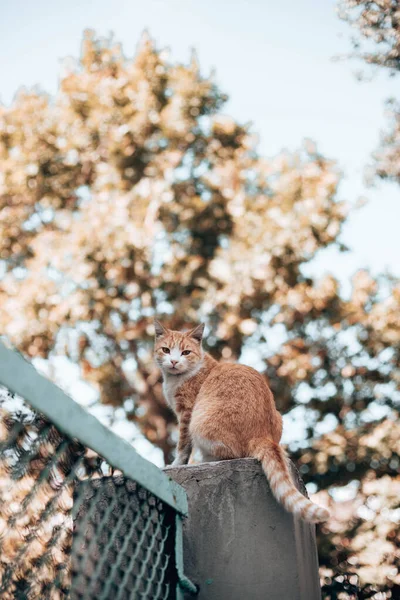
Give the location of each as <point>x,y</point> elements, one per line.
<point>159,329</point>
<point>196,333</point>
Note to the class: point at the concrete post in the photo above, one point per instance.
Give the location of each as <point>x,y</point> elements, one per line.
<point>238,542</point>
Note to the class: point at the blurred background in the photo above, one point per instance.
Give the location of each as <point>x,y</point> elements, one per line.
<point>237,165</point>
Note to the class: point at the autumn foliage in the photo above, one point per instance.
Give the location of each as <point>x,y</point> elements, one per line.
<point>130,194</point>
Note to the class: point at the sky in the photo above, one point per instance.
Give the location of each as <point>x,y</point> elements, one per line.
<point>275,61</point>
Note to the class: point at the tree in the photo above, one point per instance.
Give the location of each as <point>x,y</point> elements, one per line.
<point>377,25</point>
<point>370,543</point>
<point>377,42</point>
<point>131,195</point>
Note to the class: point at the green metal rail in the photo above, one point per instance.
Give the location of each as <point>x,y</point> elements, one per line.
<point>82,515</point>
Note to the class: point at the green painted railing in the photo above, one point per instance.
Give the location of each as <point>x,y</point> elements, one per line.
<point>82,515</point>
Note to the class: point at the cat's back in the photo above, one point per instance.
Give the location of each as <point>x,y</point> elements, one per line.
<point>235,379</point>
<point>237,398</point>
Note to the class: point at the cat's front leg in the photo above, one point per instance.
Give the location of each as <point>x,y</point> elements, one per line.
<point>184,448</point>
<point>182,458</point>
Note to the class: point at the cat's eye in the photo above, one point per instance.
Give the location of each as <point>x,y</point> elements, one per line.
<point>186,352</point>
<point>165,350</point>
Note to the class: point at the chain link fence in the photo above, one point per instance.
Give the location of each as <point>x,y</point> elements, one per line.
<point>76,523</point>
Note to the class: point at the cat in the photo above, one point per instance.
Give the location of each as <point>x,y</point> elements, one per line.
<point>226,411</point>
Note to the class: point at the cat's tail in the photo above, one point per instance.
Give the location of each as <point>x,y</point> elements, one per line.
<point>275,465</point>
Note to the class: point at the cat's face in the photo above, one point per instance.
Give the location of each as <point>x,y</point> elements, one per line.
<point>177,352</point>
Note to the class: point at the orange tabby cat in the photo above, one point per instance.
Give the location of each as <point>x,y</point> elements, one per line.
<point>226,411</point>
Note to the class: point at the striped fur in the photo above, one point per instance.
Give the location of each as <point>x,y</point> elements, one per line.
<point>274,462</point>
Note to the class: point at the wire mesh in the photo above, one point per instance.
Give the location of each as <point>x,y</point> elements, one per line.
<point>70,525</point>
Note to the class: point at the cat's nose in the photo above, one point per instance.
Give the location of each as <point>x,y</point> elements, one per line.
<point>174,362</point>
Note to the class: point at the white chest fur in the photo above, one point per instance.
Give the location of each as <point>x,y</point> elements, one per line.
<point>171,384</point>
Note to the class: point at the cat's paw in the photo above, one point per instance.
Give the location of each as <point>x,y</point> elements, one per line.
<point>178,462</point>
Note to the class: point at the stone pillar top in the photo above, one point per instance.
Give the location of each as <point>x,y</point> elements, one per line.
<point>239,543</point>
